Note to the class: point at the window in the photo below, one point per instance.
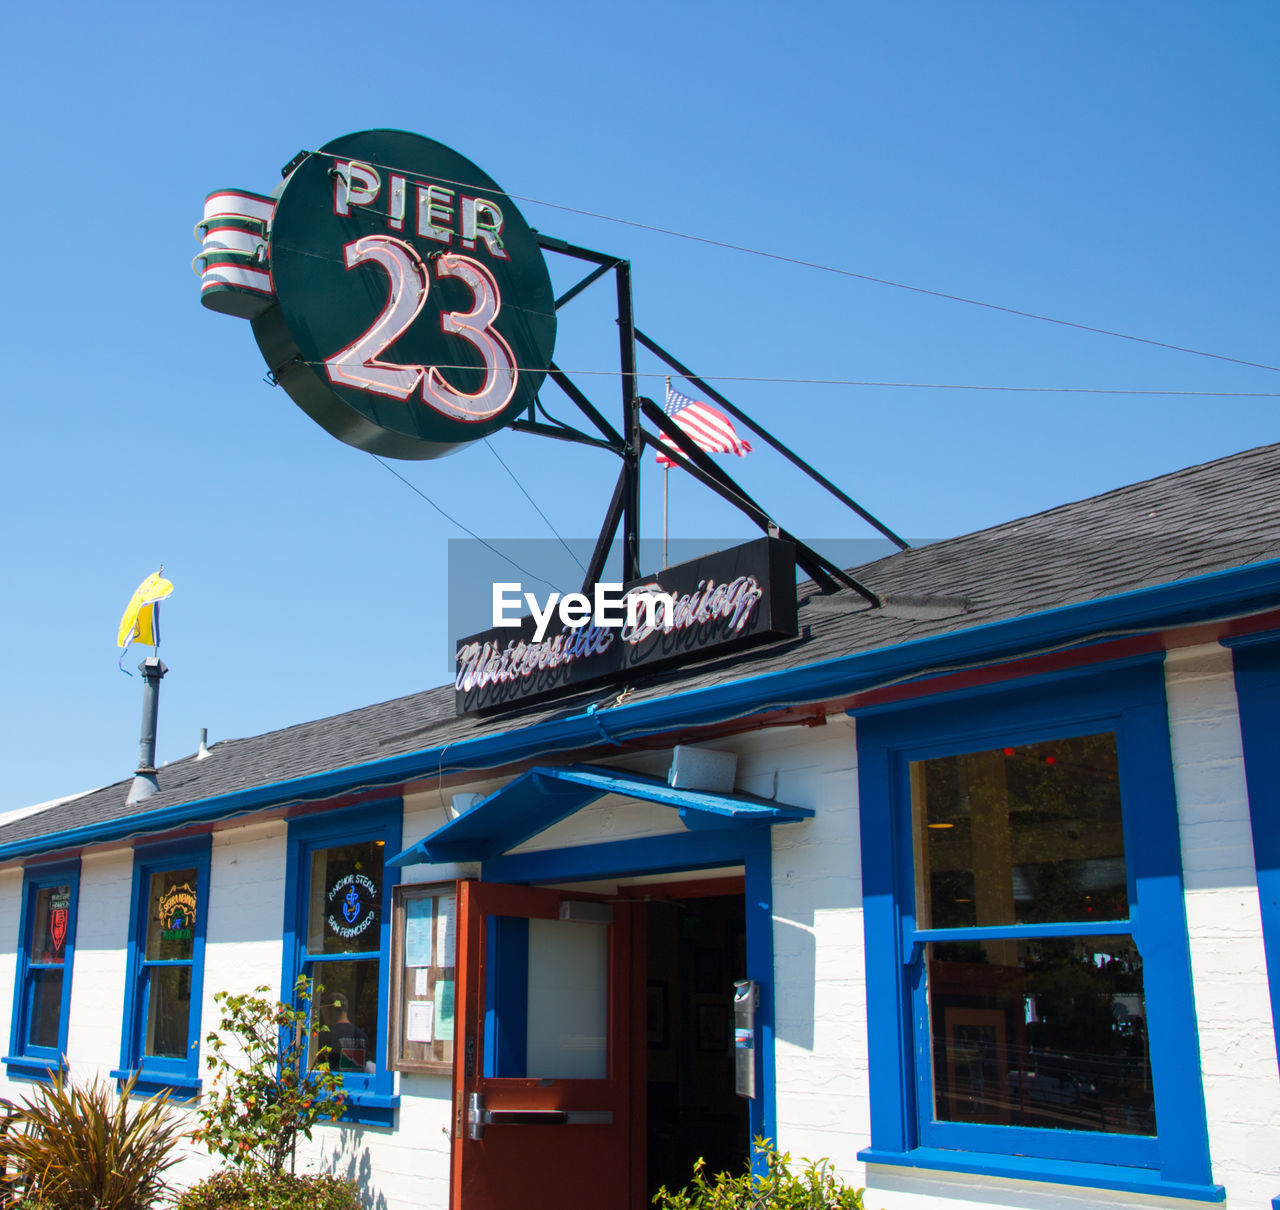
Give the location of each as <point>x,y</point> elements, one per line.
<point>1027,968</point>
<point>46,946</point>
<point>165,966</point>
<point>338,934</point>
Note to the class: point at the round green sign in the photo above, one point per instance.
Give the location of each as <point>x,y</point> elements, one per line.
<point>414,311</point>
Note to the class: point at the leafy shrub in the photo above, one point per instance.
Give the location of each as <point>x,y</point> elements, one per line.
<point>247,1190</point>
<point>815,1187</point>
<point>265,1095</point>
<point>82,1149</point>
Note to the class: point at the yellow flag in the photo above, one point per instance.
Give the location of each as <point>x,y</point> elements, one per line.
<point>138,625</point>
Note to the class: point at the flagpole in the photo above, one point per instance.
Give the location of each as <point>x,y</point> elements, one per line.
<point>666,487</point>
<point>666,483</point>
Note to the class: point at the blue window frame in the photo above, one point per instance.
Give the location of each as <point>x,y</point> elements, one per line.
<point>338,934</point>
<point>46,949</point>
<point>164,978</point>
<point>1030,1006</point>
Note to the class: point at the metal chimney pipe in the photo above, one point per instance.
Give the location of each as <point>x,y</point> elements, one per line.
<point>144,778</point>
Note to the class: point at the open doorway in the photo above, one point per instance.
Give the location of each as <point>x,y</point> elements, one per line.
<point>695,949</point>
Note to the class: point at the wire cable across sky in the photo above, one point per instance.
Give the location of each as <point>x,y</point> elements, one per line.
<point>867,277</point>
<point>659,375</point>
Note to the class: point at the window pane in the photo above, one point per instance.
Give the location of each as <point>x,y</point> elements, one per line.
<point>345,894</point>
<point>346,1015</point>
<point>168,1011</point>
<point>46,1008</point>
<point>568,1000</point>
<point>50,923</point>
<point>1029,834</point>
<point>1048,1033</point>
<point>171,916</point>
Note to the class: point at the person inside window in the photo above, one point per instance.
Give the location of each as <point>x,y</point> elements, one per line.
<point>341,1043</point>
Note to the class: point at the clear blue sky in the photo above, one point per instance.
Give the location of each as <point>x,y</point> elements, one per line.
<point>1108,164</point>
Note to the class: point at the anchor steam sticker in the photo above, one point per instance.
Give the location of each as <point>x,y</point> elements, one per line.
<point>394,289</point>
<point>351,905</point>
<point>177,913</point>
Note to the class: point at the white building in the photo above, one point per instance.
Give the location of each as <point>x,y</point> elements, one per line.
<point>1003,858</point>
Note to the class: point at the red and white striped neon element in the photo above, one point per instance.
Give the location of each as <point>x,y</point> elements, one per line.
<point>233,239</point>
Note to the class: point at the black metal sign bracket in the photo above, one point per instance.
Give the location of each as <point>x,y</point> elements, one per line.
<point>630,442</point>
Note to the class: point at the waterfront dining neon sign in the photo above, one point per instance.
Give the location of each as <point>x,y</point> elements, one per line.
<point>727,600</point>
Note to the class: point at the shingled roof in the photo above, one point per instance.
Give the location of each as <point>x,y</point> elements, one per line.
<point>1214,517</point>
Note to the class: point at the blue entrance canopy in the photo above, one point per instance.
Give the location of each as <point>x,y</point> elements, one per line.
<point>544,795</point>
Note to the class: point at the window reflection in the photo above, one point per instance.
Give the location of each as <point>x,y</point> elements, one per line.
<point>168,1012</point>
<point>1030,1031</point>
<point>1048,1033</point>
<point>1020,835</point>
<point>46,1008</point>
<point>345,1015</point>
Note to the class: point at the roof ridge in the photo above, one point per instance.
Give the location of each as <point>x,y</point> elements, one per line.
<point>1195,467</point>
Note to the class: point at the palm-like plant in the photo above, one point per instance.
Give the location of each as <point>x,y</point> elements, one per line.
<point>83,1149</point>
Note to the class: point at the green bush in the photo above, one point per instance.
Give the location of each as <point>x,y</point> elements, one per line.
<point>83,1149</point>
<point>241,1190</point>
<point>815,1187</point>
<point>265,1096</point>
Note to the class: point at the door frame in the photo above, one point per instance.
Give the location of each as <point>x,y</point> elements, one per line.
<point>479,901</point>
<point>684,852</point>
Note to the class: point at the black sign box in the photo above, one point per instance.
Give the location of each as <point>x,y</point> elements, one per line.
<point>723,602</point>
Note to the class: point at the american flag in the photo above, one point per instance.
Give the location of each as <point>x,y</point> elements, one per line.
<point>709,427</point>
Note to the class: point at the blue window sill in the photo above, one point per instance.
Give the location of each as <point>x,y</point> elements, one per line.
<point>371,1109</point>
<point>29,1067</point>
<point>1058,1172</point>
<point>149,1083</point>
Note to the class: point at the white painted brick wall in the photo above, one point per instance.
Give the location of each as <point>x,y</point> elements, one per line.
<point>97,977</point>
<point>1233,1007</point>
<point>10,910</point>
<point>819,965</point>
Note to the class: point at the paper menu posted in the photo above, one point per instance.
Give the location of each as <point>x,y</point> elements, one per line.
<point>444,1010</point>
<point>446,932</point>
<point>417,932</point>
<point>419,1021</point>
<point>422,982</point>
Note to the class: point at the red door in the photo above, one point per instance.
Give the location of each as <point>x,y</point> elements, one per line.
<point>542,1085</point>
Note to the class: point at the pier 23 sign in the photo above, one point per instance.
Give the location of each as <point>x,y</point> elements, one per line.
<point>394,289</point>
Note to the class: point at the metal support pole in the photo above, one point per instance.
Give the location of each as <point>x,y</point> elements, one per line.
<point>144,778</point>
<point>666,492</point>
<point>631,427</point>
<point>604,543</point>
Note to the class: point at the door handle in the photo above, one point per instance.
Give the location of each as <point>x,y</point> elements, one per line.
<point>525,1117</point>
<point>478,1117</point>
